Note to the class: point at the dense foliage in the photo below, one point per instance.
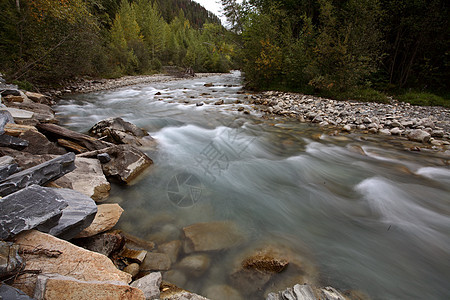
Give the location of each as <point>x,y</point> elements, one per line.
<point>47,41</point>
<point>329,45</point>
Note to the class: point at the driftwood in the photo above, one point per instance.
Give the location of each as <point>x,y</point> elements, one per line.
<point>58,132</point>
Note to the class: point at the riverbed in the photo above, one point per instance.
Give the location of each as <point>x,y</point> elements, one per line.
<point>360,211</point>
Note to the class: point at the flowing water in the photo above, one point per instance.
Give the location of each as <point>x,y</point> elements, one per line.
<point>367,214</point>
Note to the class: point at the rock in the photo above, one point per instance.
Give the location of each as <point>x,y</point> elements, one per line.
<point>107,216</point>
<point>220,102</point>
<point>156,262</point>
<point>149,285</point>
<point>39,144</point>
<point>298,292</point>
<point>266,260</point>
<point>208,84</point>
<point>347,128</point>
<point>7,170</point>
<point>8,292</point>
<point>77,216</point>
<point>18,114</point>
<point>176,277</point>
<point>10,259</point>
<point>330,293</point>
<point>222,292</point>
<point>211,236</point>
<point>87,178</point>
<point>104,243</point>
<point>249,281</point>
<point>40,174</point>
<point>118,131</point>
<point>56,132</point>
<point>133,255</point>
<point>12,142</point>
<point>373,130</point>
<point>172,292</point>
<point>172,249</point>
<point>195,264</point>
<point>126,163</point>
<point>11,90</point>
<point>199,104</point>
<point>38,98</point>
<point>136,243</point>
<point>17,129</point>
<point>367,120</point>
<point>29,208</point>
<point>51,287</point>
<point>396,131</point>
<point>42,113</point>
<point>132,269</point>
<point>60,257</point>
<point>384,131</point>
<point>438,133</point>
<point>5,118</point>
<point>12,98</point>
<point>104,158</point>
<point>419,135</point>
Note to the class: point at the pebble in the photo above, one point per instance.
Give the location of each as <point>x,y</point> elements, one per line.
<point>396,118</point>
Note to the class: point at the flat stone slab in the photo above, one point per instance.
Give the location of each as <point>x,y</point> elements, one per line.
<point>18,113</point>
<point>66,259</point>
<point>40,174</point>
<point>77,216</point>
<point>29,208</point>
<point>107,216</point>
<point>13,142</point>
<point>64,287</point>
<point>87,178</point>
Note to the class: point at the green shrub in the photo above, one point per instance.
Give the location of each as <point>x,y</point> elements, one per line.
<point>24,85</point>
<point>358,94</point>
<point>424,99</point>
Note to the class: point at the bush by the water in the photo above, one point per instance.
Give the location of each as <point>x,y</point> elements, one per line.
<point>424,99</point>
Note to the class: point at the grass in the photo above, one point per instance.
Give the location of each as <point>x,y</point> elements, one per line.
<point>424,99</point>
<point>358,94</point>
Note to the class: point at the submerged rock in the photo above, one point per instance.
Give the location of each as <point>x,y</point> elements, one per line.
<point>195,264</point>
<point>212,236</point>
<point>156,262</point>
<point>222,292</point>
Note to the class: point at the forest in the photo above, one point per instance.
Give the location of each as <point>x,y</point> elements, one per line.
<point>45,42</point>
<point>345,48</point>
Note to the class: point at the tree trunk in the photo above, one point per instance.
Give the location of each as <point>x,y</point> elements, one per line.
<point>18,5</point>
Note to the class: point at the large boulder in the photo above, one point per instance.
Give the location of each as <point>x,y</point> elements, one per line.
<point>212,236</point>
<point>119,131</point>
<point>39,144</point>
<point>126,163</point>
<point>107,216</point>
<point>51,255</point>
<point>419,135</point>
<point>51,287</point>
<point>77,216</point>
<point>40,174</point>
<point>87,178</point>
<point>29,208</point>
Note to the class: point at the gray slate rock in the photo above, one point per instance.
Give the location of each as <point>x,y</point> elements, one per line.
<point>104,158</point>
<point>8,167</point>
<point>9,90</point>
<point>5,118</point>
<point>77,216</point>
<point>149,285</point>
<point>40,174</point>
<point>12,142</point>
<point>10,259</point>
<point>9,293</point>
<point>32,207</point>
<point>298,292</point>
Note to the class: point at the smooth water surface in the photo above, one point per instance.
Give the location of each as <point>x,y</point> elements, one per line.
<point>367,214</point>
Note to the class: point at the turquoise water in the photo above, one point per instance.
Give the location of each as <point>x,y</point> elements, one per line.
<point>360,212</point>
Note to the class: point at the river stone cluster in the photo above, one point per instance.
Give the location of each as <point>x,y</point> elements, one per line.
<point>418,123</point>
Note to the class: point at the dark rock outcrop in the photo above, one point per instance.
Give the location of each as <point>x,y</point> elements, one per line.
<point>40,174</point>
<point>118,131</point>
<point>77,216</point>
<point>29,208</point>
<point>39,144</point>
<point>104,243</point>
<point>13,142</point>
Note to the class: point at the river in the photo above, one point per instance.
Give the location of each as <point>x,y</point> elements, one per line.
<point>365,213</point>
